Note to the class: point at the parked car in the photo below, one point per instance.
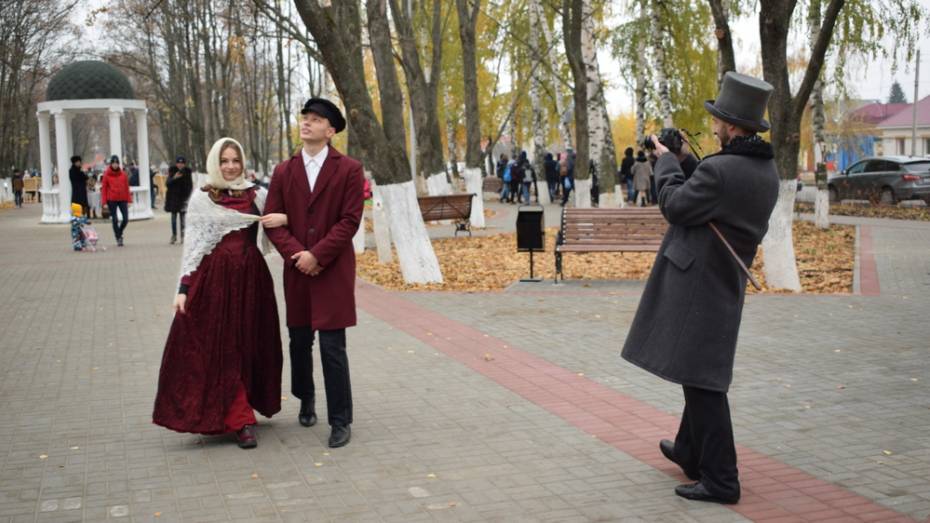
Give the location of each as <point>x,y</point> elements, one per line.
<point>885,179</point>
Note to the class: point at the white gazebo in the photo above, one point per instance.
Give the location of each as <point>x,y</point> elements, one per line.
<point>89,87</point>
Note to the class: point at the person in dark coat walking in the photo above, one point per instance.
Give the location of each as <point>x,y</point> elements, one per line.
<point>551,166</point>
<point>686,326</point>
<point>78,184</point>
<point>322,193</point>
<point>179,184</point>
<point>18,186</point>
<point>626,173</point>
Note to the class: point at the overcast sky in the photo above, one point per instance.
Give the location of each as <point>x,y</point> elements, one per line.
<point>871,81</point>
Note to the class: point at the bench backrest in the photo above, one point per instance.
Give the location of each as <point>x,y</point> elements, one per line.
<point>491,184</point>
<point>445,207</point>
<point>31,184</point>
<point>633,229</point>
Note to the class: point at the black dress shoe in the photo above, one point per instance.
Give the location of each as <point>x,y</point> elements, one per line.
<point>340,436</point>
<point>668,450</point>
<point>698,492</point>
<point>307,416</point>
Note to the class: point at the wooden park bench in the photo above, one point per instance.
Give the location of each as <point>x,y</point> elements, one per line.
<point>634,229</point>
<point>455,207</point>
<point>31,188</point>
<point>491,184</point>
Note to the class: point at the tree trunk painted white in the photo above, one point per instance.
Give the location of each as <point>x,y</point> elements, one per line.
<point>822,209</point>
<point>640,73</point>
<point>781,271</point>
<point>418,262</point>
<point>381,225</point>
<point>619,196</point>
<point>358,241</point>
<point>818,118</point>
<point>583,194</point>
<point>600,137</point>
<point>438,184</point>
<point>539,116</point>
<point>473,184</point>
<point>658,43</point>
<point>565,133</point>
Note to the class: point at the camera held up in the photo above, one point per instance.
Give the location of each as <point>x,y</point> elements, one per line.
<point>669,137</point>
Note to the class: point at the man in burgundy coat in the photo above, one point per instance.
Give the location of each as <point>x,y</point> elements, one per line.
<point>322,192</point>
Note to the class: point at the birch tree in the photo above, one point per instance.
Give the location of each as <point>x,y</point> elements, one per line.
<point>659,38</point>
<point>822,201</point>
<point>572,22</point>
<point>336,29</point>
<point>600,136</point>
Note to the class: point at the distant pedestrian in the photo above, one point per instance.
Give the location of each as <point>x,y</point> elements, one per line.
<point>642,172</point>
<point>133,172</point>
<point>93,197</point>
<point>566,177</point>
<point>114,193</point>
<point>180,185</point>
<point>78,184</point>
<point>503,168</point>
<point>626,173</point>
<point>18,188</point>
<point>551,167</point>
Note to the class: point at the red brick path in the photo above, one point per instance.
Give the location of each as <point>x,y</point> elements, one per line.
<point>772,491</point>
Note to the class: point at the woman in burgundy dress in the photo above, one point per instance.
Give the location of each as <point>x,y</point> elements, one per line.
<point>223,355</point>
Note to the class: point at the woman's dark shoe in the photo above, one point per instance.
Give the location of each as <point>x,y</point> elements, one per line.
<point>668,450</point>
<point>246,437</point>
<point>698,492</point>
<point>340,436</point>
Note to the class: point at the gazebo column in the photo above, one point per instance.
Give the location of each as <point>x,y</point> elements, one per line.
<point>116,138</point>
<point>45,163</point>
<point>62,200</point>
<point>144,200</point>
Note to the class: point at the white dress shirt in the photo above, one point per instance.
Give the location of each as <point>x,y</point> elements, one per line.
<point>313,164</point>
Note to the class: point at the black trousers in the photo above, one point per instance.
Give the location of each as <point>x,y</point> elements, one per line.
<point>335,364</point>
<point>119,226</point>
<point>705,441</point>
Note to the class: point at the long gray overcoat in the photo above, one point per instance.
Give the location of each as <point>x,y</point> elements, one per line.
<point>686,326</point>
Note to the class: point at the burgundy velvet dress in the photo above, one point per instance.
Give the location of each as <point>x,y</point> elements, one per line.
<point>223,355</point>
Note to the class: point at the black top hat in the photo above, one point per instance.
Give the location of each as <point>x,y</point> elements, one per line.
<point>326,109</point>
<point>742,102</point>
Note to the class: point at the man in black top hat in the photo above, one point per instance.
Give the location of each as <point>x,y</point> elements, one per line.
<point>686,326</point>
<point>322,192</point>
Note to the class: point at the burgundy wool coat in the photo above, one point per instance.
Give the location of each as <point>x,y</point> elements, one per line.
<point>324,223</point>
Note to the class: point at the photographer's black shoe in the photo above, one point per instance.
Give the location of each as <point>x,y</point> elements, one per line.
<point>668,450</point>
<point>698,492</point>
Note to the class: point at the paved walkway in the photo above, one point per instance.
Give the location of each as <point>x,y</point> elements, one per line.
<point>510,406</point>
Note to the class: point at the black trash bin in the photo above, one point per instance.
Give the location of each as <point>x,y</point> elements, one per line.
<point>531,233</point>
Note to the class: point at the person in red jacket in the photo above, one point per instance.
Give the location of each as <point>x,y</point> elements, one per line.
<point>114,193</point>
<point>321,191</point>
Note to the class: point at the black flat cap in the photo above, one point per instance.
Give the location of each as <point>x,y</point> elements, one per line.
<point>326,109</point>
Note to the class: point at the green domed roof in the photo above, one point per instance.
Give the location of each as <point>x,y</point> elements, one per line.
<point>86,80</point>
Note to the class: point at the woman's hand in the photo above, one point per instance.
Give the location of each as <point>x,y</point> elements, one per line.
<point>179,302</point>
<point>275,219</point>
